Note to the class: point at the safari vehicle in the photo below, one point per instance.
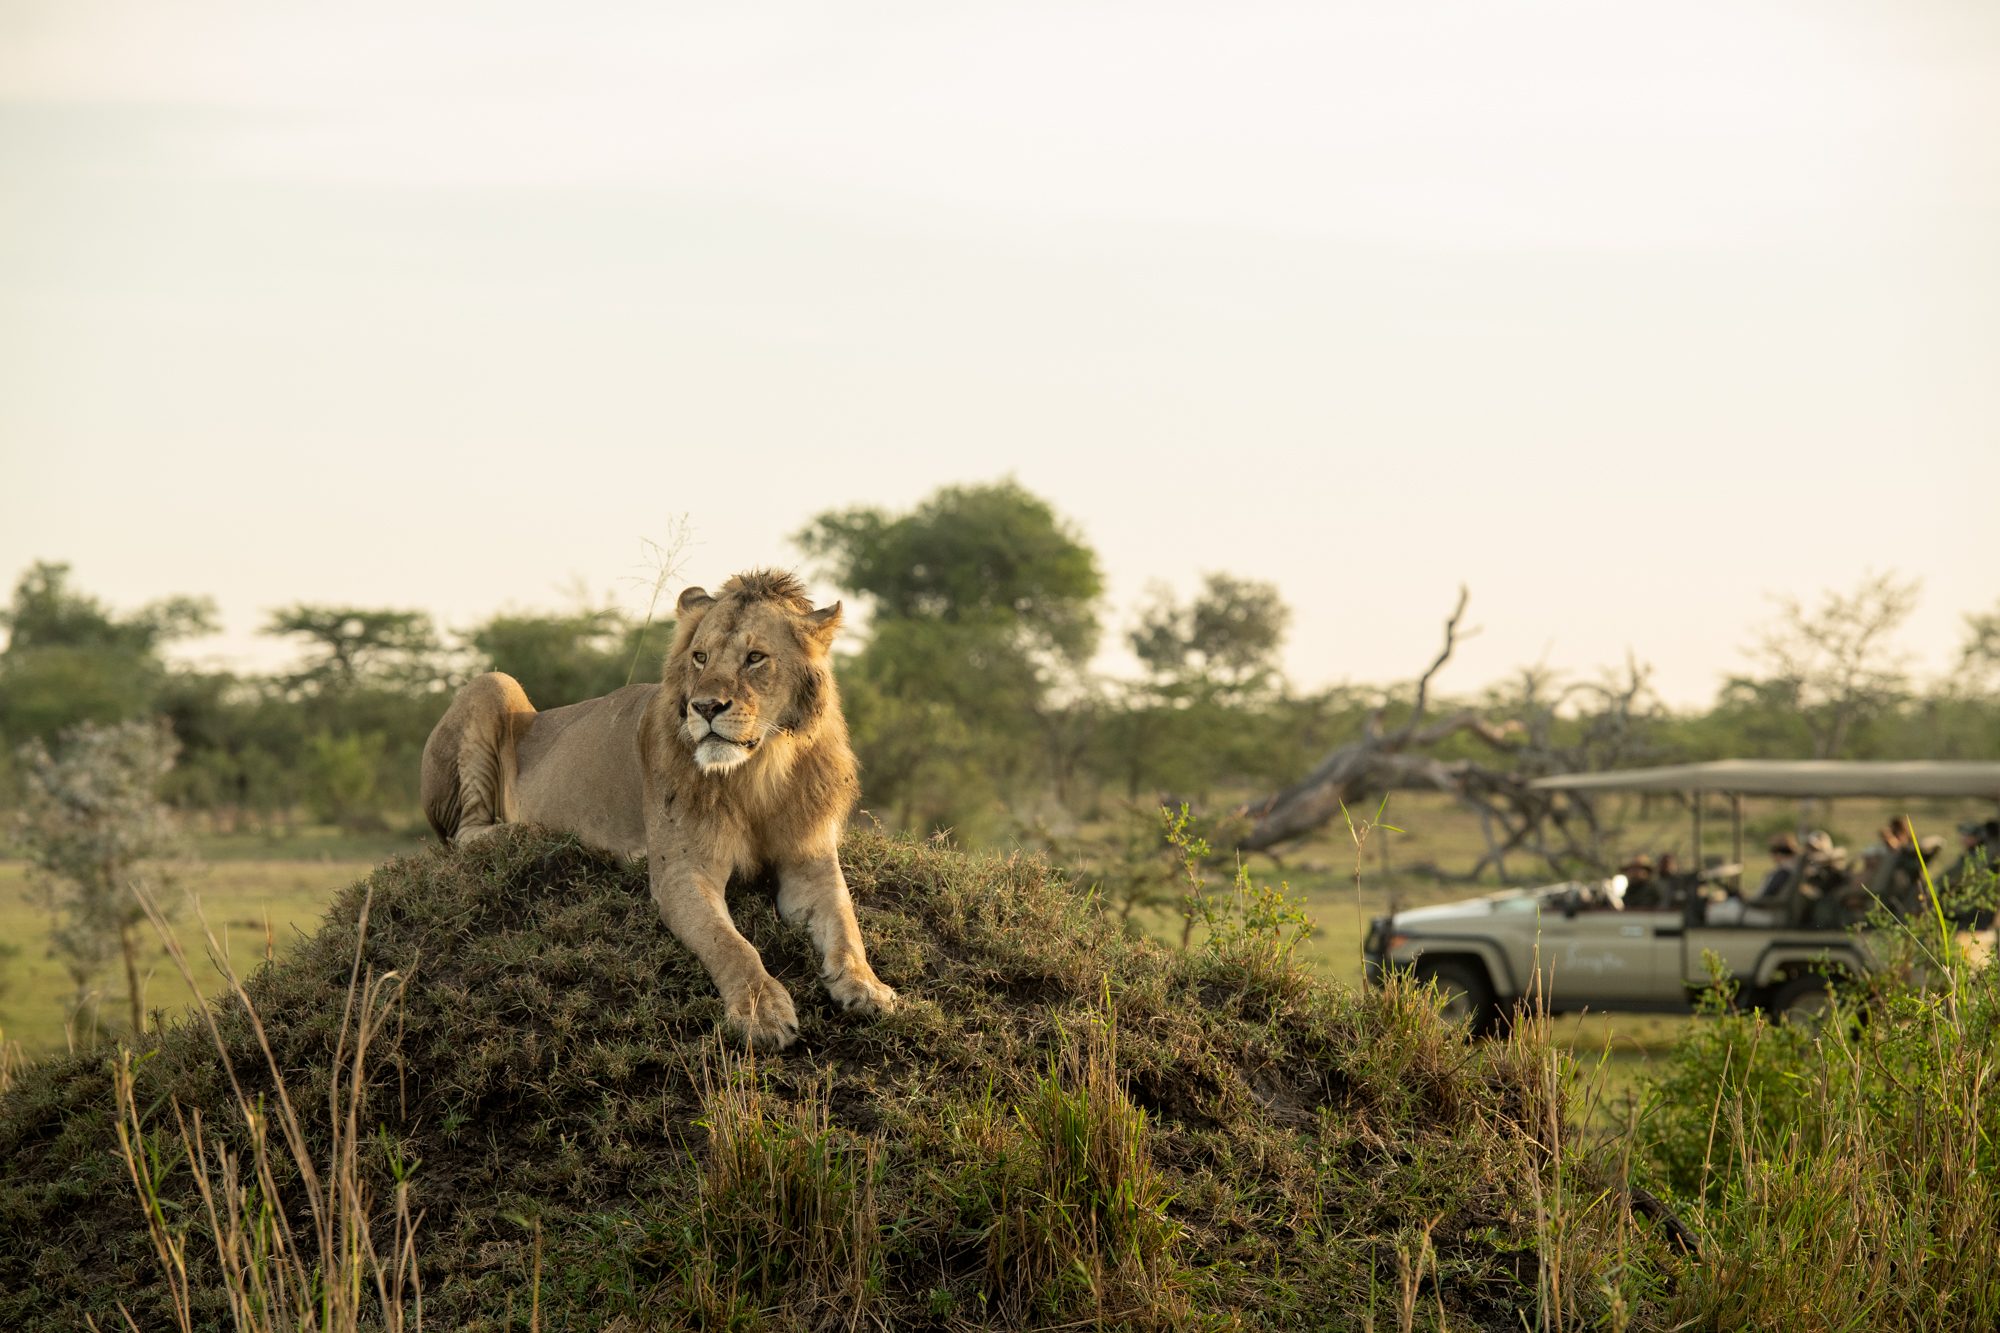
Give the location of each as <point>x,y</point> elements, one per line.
<point>1573,946</point>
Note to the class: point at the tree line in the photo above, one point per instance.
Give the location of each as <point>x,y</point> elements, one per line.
<point>969,687</point>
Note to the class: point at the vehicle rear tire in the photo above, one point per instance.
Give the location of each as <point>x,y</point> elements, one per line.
<point>1467,994</point>
<point>1805,1001</point>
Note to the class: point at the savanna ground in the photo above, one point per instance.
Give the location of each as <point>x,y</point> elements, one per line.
<point>262,894</point>
<point>1066,1125</point>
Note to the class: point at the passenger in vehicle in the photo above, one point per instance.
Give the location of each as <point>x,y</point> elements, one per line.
<point>1642,889</point>
<point>1773,902</point>
<point>1675,884</point>
<point>1783,875</point>
<point>1890,868</point>
<point>1826,886</point>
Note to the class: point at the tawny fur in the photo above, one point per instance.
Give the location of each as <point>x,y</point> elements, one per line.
<point>769,781</point>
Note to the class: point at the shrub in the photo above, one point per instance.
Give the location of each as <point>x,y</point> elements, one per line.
<point>1848,1177</point>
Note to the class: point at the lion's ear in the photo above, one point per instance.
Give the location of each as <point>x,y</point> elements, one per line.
<point>693,600</point>
<point>821,624</point>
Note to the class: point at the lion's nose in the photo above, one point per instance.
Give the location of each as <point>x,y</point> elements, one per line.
<point>709,708</point>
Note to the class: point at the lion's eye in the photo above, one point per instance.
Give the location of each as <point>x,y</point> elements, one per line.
<point>753,659</point>
<point>701,659</point>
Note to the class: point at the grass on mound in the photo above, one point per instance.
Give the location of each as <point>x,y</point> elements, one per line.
<point>1061,1126</point>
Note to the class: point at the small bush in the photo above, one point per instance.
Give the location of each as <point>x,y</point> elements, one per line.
<point>1849,1177</point>
<point>786,1206</point>
<point>1088,1230</point>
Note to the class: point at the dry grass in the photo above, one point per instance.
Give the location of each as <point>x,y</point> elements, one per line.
<point>1063,1126</point>
<point>324,1273</point>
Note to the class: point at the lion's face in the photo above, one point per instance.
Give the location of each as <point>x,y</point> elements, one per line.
<point>747,668</point>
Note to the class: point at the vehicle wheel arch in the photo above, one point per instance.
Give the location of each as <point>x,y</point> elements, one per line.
<point>1779,969</point>
<point>1468,973</point>
<point>1473,951</point>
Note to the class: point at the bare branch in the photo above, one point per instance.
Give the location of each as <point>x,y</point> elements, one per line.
<point>1502,736</point>
<point>1555,727</point>
<point>1408,729</point>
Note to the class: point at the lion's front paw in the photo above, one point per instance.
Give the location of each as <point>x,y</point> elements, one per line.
<point>762,1015</point>
<point>858,990</point>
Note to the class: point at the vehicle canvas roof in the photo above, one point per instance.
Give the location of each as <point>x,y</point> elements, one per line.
<point>1794,777</point>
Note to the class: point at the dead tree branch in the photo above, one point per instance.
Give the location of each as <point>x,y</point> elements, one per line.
<point>1514,815</point>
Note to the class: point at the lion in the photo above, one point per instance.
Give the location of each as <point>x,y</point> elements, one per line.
<point>737,761</point>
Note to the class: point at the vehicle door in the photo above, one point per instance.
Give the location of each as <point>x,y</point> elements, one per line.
<point>1604,956</point>
<point>1747,950</point>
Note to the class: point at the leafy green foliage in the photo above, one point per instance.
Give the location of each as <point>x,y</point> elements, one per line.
<point>983,610</point>
<point>1253,928</point>
<point>992,557</point>
<point>69,660</point>
<point>47,613</point>
<point>569,657</point>
<point>1224,641</point>
<point>1846,1177</point>
<point>340,775</point>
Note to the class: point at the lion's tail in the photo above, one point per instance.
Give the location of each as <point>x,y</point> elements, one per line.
<point>468,772</point>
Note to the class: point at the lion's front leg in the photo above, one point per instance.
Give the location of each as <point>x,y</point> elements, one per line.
<point>813,893</point>
<point>755,1005</point>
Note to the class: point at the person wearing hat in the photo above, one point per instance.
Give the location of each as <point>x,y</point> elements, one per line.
<point>1675,884</point>
<point>1828,891</point>
<point>1642,890</point>
<point>1771,904</point>
<point>1784,871</point>
<point>1890,869</point>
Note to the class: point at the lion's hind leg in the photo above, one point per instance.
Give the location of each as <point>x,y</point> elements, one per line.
<point>468,768</point>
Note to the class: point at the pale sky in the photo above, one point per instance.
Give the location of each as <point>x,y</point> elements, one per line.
<point>1628,315</point>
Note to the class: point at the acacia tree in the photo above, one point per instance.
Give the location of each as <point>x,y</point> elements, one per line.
<point>96,836</point>
<point>70,659</point>
<point>352,645</point>
<point>1210,661</point>
<point>352,719</point>
<point>1224,641</point>
<point>982,607</point>
<point>1834,664</point>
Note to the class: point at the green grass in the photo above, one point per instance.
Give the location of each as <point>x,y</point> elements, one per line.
<point>1434,830</point>
<point>255,906</point>
<point>1845,1179</point>
<point>1063,1125</point>
<point>312,842</point>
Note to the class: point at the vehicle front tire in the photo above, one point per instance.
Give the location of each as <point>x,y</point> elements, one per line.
<point>1805,1001</point>
<point>1467,994</point>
